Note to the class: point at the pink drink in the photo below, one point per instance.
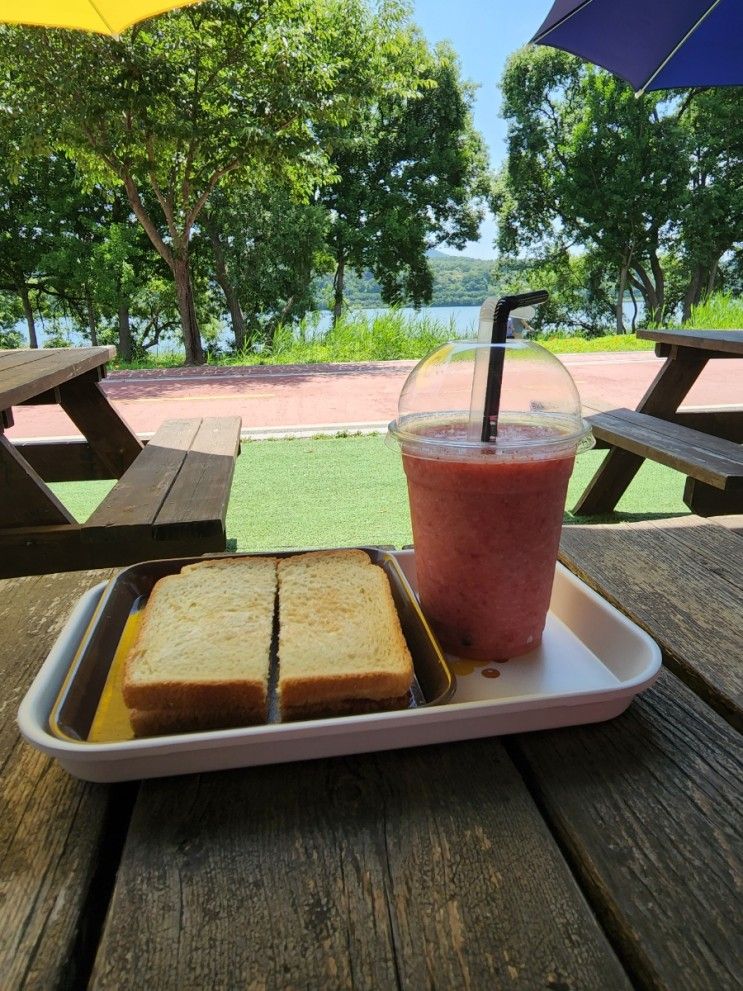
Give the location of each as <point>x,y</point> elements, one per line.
<point>486,533</point>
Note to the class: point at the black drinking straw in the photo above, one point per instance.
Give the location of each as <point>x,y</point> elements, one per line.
<point>495,364</point>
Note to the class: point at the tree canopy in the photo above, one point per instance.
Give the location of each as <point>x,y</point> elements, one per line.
<point>633,184</point>
<point>184,102</point>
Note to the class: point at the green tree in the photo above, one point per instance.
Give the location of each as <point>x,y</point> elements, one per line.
<point>38,194</point>
<point>182,102</point>
<point>266,249</point>
<point>411,175</point>
<point>590,166</point>
<point>710,221</point>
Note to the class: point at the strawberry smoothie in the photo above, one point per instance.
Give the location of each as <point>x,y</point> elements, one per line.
<point>486,536</point>
<point>487,491</point>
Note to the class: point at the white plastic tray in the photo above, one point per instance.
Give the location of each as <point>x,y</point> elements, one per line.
<point>591,664</point>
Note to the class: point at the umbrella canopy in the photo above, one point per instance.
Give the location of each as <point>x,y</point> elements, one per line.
<point>653,44</point>
<point>103,16</point>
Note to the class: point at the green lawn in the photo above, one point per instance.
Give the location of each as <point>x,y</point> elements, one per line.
<point>351,490</point>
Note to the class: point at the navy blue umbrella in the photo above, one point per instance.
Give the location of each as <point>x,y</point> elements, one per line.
<point>653,44</point>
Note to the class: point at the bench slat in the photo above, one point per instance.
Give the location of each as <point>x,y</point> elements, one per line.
<point>197,500</point>
<point>710,459</point>
<point>136,498</point>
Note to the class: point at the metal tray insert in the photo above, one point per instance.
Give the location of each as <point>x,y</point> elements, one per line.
<point>90,708</point>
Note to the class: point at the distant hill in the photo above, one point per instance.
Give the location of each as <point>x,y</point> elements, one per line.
<point>457,281</point>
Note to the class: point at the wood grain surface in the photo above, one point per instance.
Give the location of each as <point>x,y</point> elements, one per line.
<point>28,373</point>
<point>728,341</point>
<point>53,835</point>
<point>425,868</point>
<point>99,422</point>
<point>136,498</point>
<point>682,581</point>
<point>648,807</point>
<point>26,500</point>
<point>201,491</point>
<point>713,460</point>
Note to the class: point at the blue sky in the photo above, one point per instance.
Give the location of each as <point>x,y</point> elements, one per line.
<point>484,33</point>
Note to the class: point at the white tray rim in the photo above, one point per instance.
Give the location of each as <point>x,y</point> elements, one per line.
<point>79,757</point>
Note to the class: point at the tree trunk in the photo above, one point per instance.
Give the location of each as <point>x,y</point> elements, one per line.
<point>338,280</point>
<point>660,286</point>
<point>125,331</point>
<point>187,311</point>
<point>29,314</point>
<point>649,295</point>
<point>619,306</point>
<point>223,279</point>
<point>634,309</point>
<point>693,293</point>
<point>92,325</point>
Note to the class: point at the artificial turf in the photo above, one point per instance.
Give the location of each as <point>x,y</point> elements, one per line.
<point>342,491</point>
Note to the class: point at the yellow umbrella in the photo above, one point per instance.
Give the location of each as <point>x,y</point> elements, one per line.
<point>104,16</point>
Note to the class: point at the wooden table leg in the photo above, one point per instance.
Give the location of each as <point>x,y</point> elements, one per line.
<point>666,392</point>
<point>706,500</point>
<point>27,501</point>
<point>672,383</point>
<point>609,483</point>
<point>107,433</point>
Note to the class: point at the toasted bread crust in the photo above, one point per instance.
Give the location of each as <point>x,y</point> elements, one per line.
<point>187,658</point>
<point>348,648</point>
<point>341,649</point>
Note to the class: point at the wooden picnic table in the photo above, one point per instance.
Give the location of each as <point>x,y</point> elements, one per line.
<point>704,444</point>
<point>171,499</point>
<point>604,856</point>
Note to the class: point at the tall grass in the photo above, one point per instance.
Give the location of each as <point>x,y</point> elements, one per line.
<point>388,336</point>
<point>355,337</point>
<point>720,312</point>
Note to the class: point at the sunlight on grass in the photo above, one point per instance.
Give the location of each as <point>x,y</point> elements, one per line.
<point>351,490</point>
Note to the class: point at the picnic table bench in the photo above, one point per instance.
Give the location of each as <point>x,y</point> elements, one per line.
<point>706,445</point>
<point>171,494</point>
<point>604,856</point>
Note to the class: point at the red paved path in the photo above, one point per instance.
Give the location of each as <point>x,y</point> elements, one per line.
<point>295,398</point>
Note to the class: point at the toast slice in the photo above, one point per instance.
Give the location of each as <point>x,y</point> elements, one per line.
<point>341,648</point>
<point>204,643</point>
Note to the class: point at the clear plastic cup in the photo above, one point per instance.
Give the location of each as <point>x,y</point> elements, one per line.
<point>487,516</point>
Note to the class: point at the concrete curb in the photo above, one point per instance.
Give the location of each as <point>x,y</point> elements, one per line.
<point>253,433</point>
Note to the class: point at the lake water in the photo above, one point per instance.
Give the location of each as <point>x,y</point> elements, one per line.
<point>462,319</point>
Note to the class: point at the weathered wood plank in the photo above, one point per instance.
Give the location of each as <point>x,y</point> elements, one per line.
<point>706,500</point>
<point>201,492</point>
<point>57,835</point>
<point>137,497</point>
<point>416,869</point>
<point>63,460</point>
<point>682,581</point>
<point>25,498</point>
<point>725,423</point>
<point>728,341</point>
<point>22,379</point>
<point>733,522</point>
<point>41,550</point>
<point>648,807</point>
<point>713,460</point>
<point>106,432</point>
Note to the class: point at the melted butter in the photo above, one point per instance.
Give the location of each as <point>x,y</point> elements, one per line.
<point>111,720</point>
